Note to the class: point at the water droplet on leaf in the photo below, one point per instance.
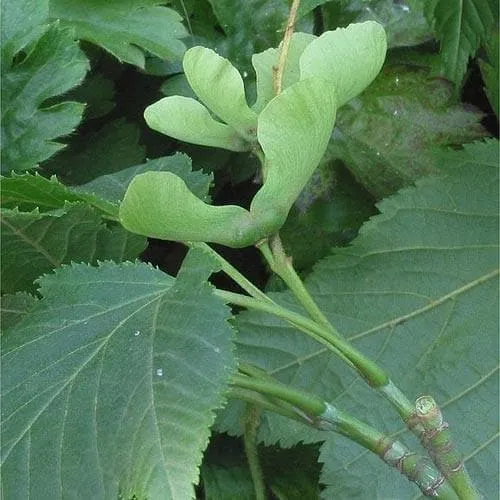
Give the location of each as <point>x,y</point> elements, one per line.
<point>159,372</point>
<point>137,333</point>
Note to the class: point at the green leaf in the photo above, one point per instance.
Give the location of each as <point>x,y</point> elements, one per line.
<point>124,28</point>
<point>220,87</point>
<point>14,307</point>
<point>188,120</point>
<point>112,187</point>
<point>320,221</point>
<point>264,62</point>
<point>461,26</point>
<point>20,29</point>
<point>224,472</point>
<point>34,243</point>
<point>109,149</point>
<point>292,474</point>
<point>350,58</point>
<point>293,130</point>
<point>98,93</point>
<point>490,71</point>
<point>387,135</point>
<point>110,383</point>
<point>52,65</point>
<point>417,291</point>
<point>404,21</point>
<point>28,192</point>
<point>227,483</point>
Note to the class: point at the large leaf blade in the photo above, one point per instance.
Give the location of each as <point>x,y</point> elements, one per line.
<point>417,291</point>
<point>120,396</point>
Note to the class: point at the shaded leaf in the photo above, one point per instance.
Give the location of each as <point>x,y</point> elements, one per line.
<point>112,380</point>
<point>252,26</point>
<point>490,71</point>
<point>224,472</point>
<point>14,307</point>
<point>34,243</point>
<point>292,474</point>
<point>112,148</point>
<point>404,21</point>
<point>98,93</point>
<point>52,66</point>
<point>461,26</point>
<point>112,187</point>
<point>177,85</point>
<point>227,483</point>
<point>307,6</point>
<point>387,135</point>
<point>20,29</point>
<point>328,213</point>
<point>417,291</point>
<point>126,29</point>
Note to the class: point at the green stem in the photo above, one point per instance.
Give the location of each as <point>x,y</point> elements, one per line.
<point>327,417</point>
<point>251,427</point>
<point>232,272</point>
<point>437,439</point>
<point>285,45</point>
<point>281,264</point>
<point>417,469</point>
<point>365,366</point>
<point>257,399</point>
<point>308,403</point>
